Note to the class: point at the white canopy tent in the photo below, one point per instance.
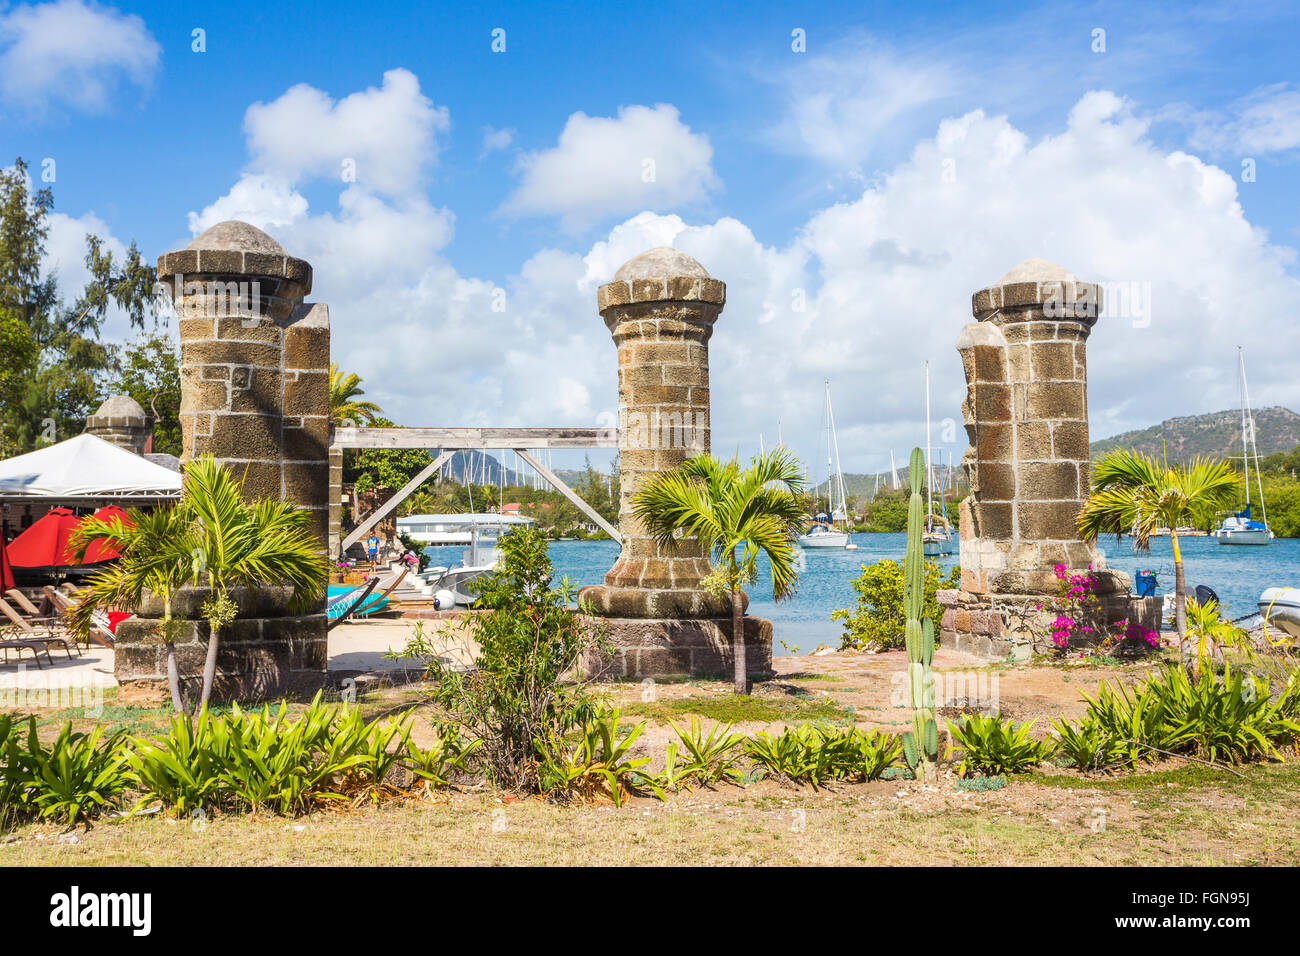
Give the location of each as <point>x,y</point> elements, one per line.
<point>85,467</point>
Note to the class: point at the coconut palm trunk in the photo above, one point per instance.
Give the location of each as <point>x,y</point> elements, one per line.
<point>209,666</point>
<point>738,641</point>
<point>1180,595</point>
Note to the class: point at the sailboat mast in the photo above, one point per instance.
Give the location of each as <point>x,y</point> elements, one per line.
<point>929,484</point>
<point>839,467</point>
<point>1245,437</point>
<point>1247,414</point>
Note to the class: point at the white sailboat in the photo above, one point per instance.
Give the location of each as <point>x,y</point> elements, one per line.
<point>824,533</point>
<point>1242,528</point>
<point>936,536</point>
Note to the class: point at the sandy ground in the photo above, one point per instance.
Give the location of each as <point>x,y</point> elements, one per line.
<point>362,645</point>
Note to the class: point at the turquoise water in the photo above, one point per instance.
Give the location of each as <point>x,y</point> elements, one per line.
<point>1237,573</point>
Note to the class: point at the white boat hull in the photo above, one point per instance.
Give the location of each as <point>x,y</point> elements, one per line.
<point>1243,536</point>
<point>936,549</point>
<point>826,539</point>
<point>1280,607</point>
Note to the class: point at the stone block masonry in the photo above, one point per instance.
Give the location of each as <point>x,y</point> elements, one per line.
<point>254,365</point>
<point>660,308</point>
<point>1026,417</point>
<point>255,396</point>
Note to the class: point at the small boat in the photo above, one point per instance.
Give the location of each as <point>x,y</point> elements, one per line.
<point>824,536</point>
<point>1242,528</point>
<point>478,559</point>
<point>824,533</point>
<point>1281,608</point>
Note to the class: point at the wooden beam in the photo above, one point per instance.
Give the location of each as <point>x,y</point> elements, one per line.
<point>382,511</point>
<point>569,493</point>
<point>474,438</point>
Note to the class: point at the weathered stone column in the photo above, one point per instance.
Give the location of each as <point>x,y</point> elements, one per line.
<point>254,365</point>
<point>660,309</point>
<point>122,422</point>
<point>1026,414</point>
<point>254,395</point>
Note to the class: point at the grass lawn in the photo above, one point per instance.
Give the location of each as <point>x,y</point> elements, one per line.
<point>1190,816</point>
<point>1172,813</point>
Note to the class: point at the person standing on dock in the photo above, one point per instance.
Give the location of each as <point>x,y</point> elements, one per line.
<point>372,549</point>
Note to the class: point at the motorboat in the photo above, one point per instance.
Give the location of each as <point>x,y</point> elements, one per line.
<point>479,559</point>
<point>1281,607</point>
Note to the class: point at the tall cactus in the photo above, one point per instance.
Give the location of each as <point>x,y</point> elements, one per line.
<point>921,743</point>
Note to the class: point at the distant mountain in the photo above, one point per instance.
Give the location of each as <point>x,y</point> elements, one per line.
<point>1216,435</point>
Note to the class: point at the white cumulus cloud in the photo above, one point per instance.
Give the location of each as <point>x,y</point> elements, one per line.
<point>74,52</point>
<point>380,138</point>
<point>603,167</point>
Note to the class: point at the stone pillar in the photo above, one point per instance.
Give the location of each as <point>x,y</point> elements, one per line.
<point>1026,415</point>
<point>254,365</point>
<point>254,395</point>
<point>335,503</point>
<point>660,309</point>
<point>122,422</point>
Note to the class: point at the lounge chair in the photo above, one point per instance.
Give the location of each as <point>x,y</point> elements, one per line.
<point>100,631</point>
<point>28,609</point>
<point>31,633</point>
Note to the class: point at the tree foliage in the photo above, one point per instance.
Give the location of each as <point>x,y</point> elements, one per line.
<point>877,620</point>
<point>59,376</point>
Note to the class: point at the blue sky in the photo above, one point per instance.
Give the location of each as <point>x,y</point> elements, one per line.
<point>815,174</point>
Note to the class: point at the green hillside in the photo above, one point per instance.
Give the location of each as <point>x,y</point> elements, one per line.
<point>1214,435</point>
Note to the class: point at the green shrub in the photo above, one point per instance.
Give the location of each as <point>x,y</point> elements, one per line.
<point>878,619</point>
<point>72,780</point>
<point>1087,746</point>
<point>1232,719</point>
<point>598,764</point>
<point>816,753</point>
<point>517,699</point>
<point>993,745</point>
<point>708,758</point>
<point>267,760</point>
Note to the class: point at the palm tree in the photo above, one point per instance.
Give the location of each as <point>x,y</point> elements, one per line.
<point>1134,494</point>
<point>156,557</point>
<point>344,404</point>
<point>1211,632</point>
<point>211,538</point>
<point>728,509</point>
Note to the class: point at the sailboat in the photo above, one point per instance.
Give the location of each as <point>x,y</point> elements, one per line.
<point>824,533</point>
<point>1242,528</point>
<point>936,535</point>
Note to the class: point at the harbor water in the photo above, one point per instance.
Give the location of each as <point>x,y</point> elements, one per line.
<point>1238,573</point>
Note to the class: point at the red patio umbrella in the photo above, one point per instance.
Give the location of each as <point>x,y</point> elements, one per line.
<point>99,549</point>
<point>45,543</point>
<point>6,573</point>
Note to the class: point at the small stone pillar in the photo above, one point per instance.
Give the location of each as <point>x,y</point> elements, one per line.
<point>122,422</point>
<point>660,309</point>
<point>1026,415</point>
<point>255,395</point>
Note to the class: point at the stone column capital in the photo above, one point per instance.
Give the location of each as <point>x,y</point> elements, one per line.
<point>1038,290</point>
